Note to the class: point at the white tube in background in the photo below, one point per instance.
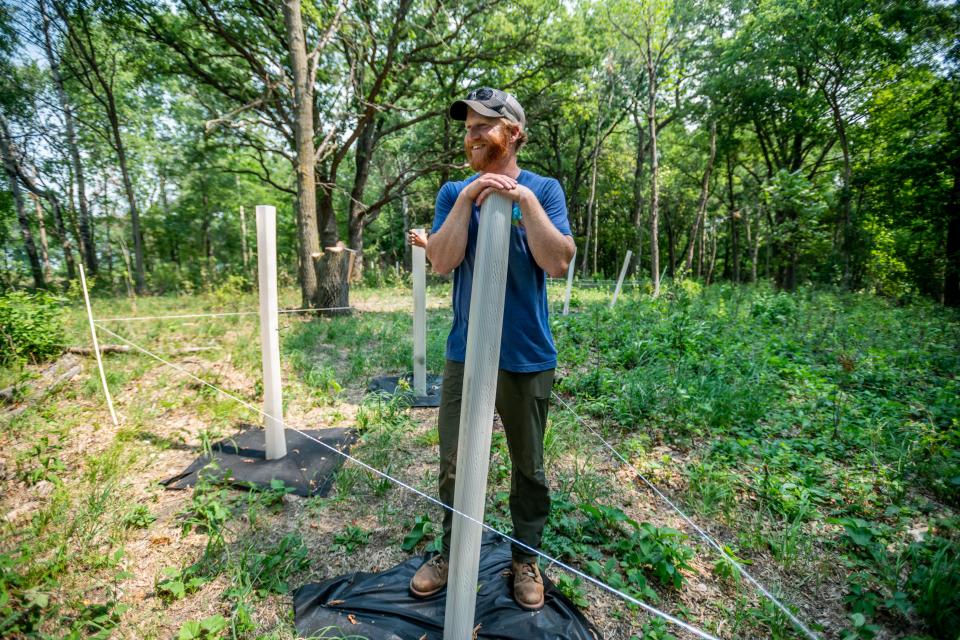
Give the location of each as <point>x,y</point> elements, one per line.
<point>276,444</point>
<point>419,264</point>
<point>570,270</point>
<point>96,347</point>
<point>476,412</point>
<point>623,272</point>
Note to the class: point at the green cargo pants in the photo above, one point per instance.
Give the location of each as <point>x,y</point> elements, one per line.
<point>522,402</point>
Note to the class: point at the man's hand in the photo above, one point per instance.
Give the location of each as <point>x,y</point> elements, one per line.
<point>479,189</point>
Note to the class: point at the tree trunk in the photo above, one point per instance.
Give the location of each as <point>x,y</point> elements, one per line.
<point>44,246</point>
<point>702,204</point>
<point>668,221</point>
<point>139,272</point>
<point>596,238</point>
<point>405,212</point>
<point>734,224</point>
<point>308,236</point>
<point>592,201</point>
<point>86,243</point>
<point>332,272</point>
<point>638,192</point>
<point>358,211</point>
<point>9,164</point>
<point>713,255</point>
<point>951,276</point>
<point>59,219</point>
<point>326,216</point>
<point>753,241</point>
<point>845,196</point>
<point>654,173</point>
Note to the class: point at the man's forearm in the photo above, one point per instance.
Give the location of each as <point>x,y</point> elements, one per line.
<point>448,245</point>
<point>551,249</point>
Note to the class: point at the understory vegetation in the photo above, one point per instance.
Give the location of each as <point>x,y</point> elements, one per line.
<point>813,434</point>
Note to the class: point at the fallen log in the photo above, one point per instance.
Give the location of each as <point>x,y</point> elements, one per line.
<point>121,348</point>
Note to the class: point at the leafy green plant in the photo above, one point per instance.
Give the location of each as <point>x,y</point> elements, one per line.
<point>24,604</point>
<point>572,588</point>
<point>660,548</point>
<point>95,621</point>
<point>176,583</point>
<point>655,629</point>
<point>39,463</point>
<point>351,538</point>
<point>934,583</point>
<point>139,517</point>
<point>211,628</point>
<point>860,629</point>
<point>208,512</point>
<point>31,326</point>
<point>421,530</point>
<point>725,566</point>
<point>268,571</point>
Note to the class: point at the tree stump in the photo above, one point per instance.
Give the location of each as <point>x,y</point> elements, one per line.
<point>332,267</point>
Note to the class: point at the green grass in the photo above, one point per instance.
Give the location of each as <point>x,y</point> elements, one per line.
<point>811,430</point>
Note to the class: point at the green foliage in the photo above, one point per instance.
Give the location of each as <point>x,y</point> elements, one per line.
<point>139,517</point>
<point>615,548</point>
<point>39,463</point>
<point>31,326</point>
<point>23,604</point>
<point>94,621</point>
<point>572,588</point>
<point>351,538</point>
<point>421,530</point>
<point>268,571</point>
<point>211,628</point>
<point>174,584</point>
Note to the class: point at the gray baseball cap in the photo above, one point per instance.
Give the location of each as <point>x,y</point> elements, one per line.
<point>492,103</point>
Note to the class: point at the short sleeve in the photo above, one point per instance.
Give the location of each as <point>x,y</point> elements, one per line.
<point>446,198</point>
<point>554,203</point>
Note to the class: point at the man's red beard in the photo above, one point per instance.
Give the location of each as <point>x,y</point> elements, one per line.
<point>495,149</point>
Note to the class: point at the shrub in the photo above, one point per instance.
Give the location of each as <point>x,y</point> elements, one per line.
<point>31,326</point>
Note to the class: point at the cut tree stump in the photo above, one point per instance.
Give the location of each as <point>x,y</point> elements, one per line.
<point>332,267</point>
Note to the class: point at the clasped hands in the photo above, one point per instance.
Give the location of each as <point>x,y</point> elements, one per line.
<point>489,183</point>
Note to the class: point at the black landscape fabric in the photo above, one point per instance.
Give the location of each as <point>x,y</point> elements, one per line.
<point>307,468</point>
<point>388,385</point>
<point>379,606</point>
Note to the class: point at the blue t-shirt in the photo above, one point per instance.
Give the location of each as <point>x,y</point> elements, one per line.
<point>527,344</point>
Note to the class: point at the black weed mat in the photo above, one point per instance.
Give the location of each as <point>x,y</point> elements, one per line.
<point>379,606</point>
<point>308,467</point>
<point>388,385</point>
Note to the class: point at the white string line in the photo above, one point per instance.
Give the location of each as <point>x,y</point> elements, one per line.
<point>220,315</point>
<point>703,534</point>
<point>602,585</point>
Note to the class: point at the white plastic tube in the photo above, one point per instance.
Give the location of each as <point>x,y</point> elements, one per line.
<point>476,412</point>
<point>419,264</point>
<point>623,272</point>
<point>570,270</point>
<point>276,444</point>
<point>96,347</point>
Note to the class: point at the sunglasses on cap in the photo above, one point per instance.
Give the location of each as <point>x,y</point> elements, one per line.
<point>489,102</point>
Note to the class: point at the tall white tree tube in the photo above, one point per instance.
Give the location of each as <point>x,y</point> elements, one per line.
<point>276,444</point>
<point>484,332</point>
<point>419,264</point>
<point>623,273</point>
<point>570,270</point>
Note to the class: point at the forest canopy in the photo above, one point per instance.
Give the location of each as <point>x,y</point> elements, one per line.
<point>799,141</point>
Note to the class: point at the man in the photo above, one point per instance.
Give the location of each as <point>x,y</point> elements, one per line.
<point>540,242</point>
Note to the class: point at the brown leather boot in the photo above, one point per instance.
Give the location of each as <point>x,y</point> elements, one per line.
<point>527,585</point>
<point>430,578</point>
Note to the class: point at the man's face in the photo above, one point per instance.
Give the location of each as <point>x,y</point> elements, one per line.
<point>486,142</point>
